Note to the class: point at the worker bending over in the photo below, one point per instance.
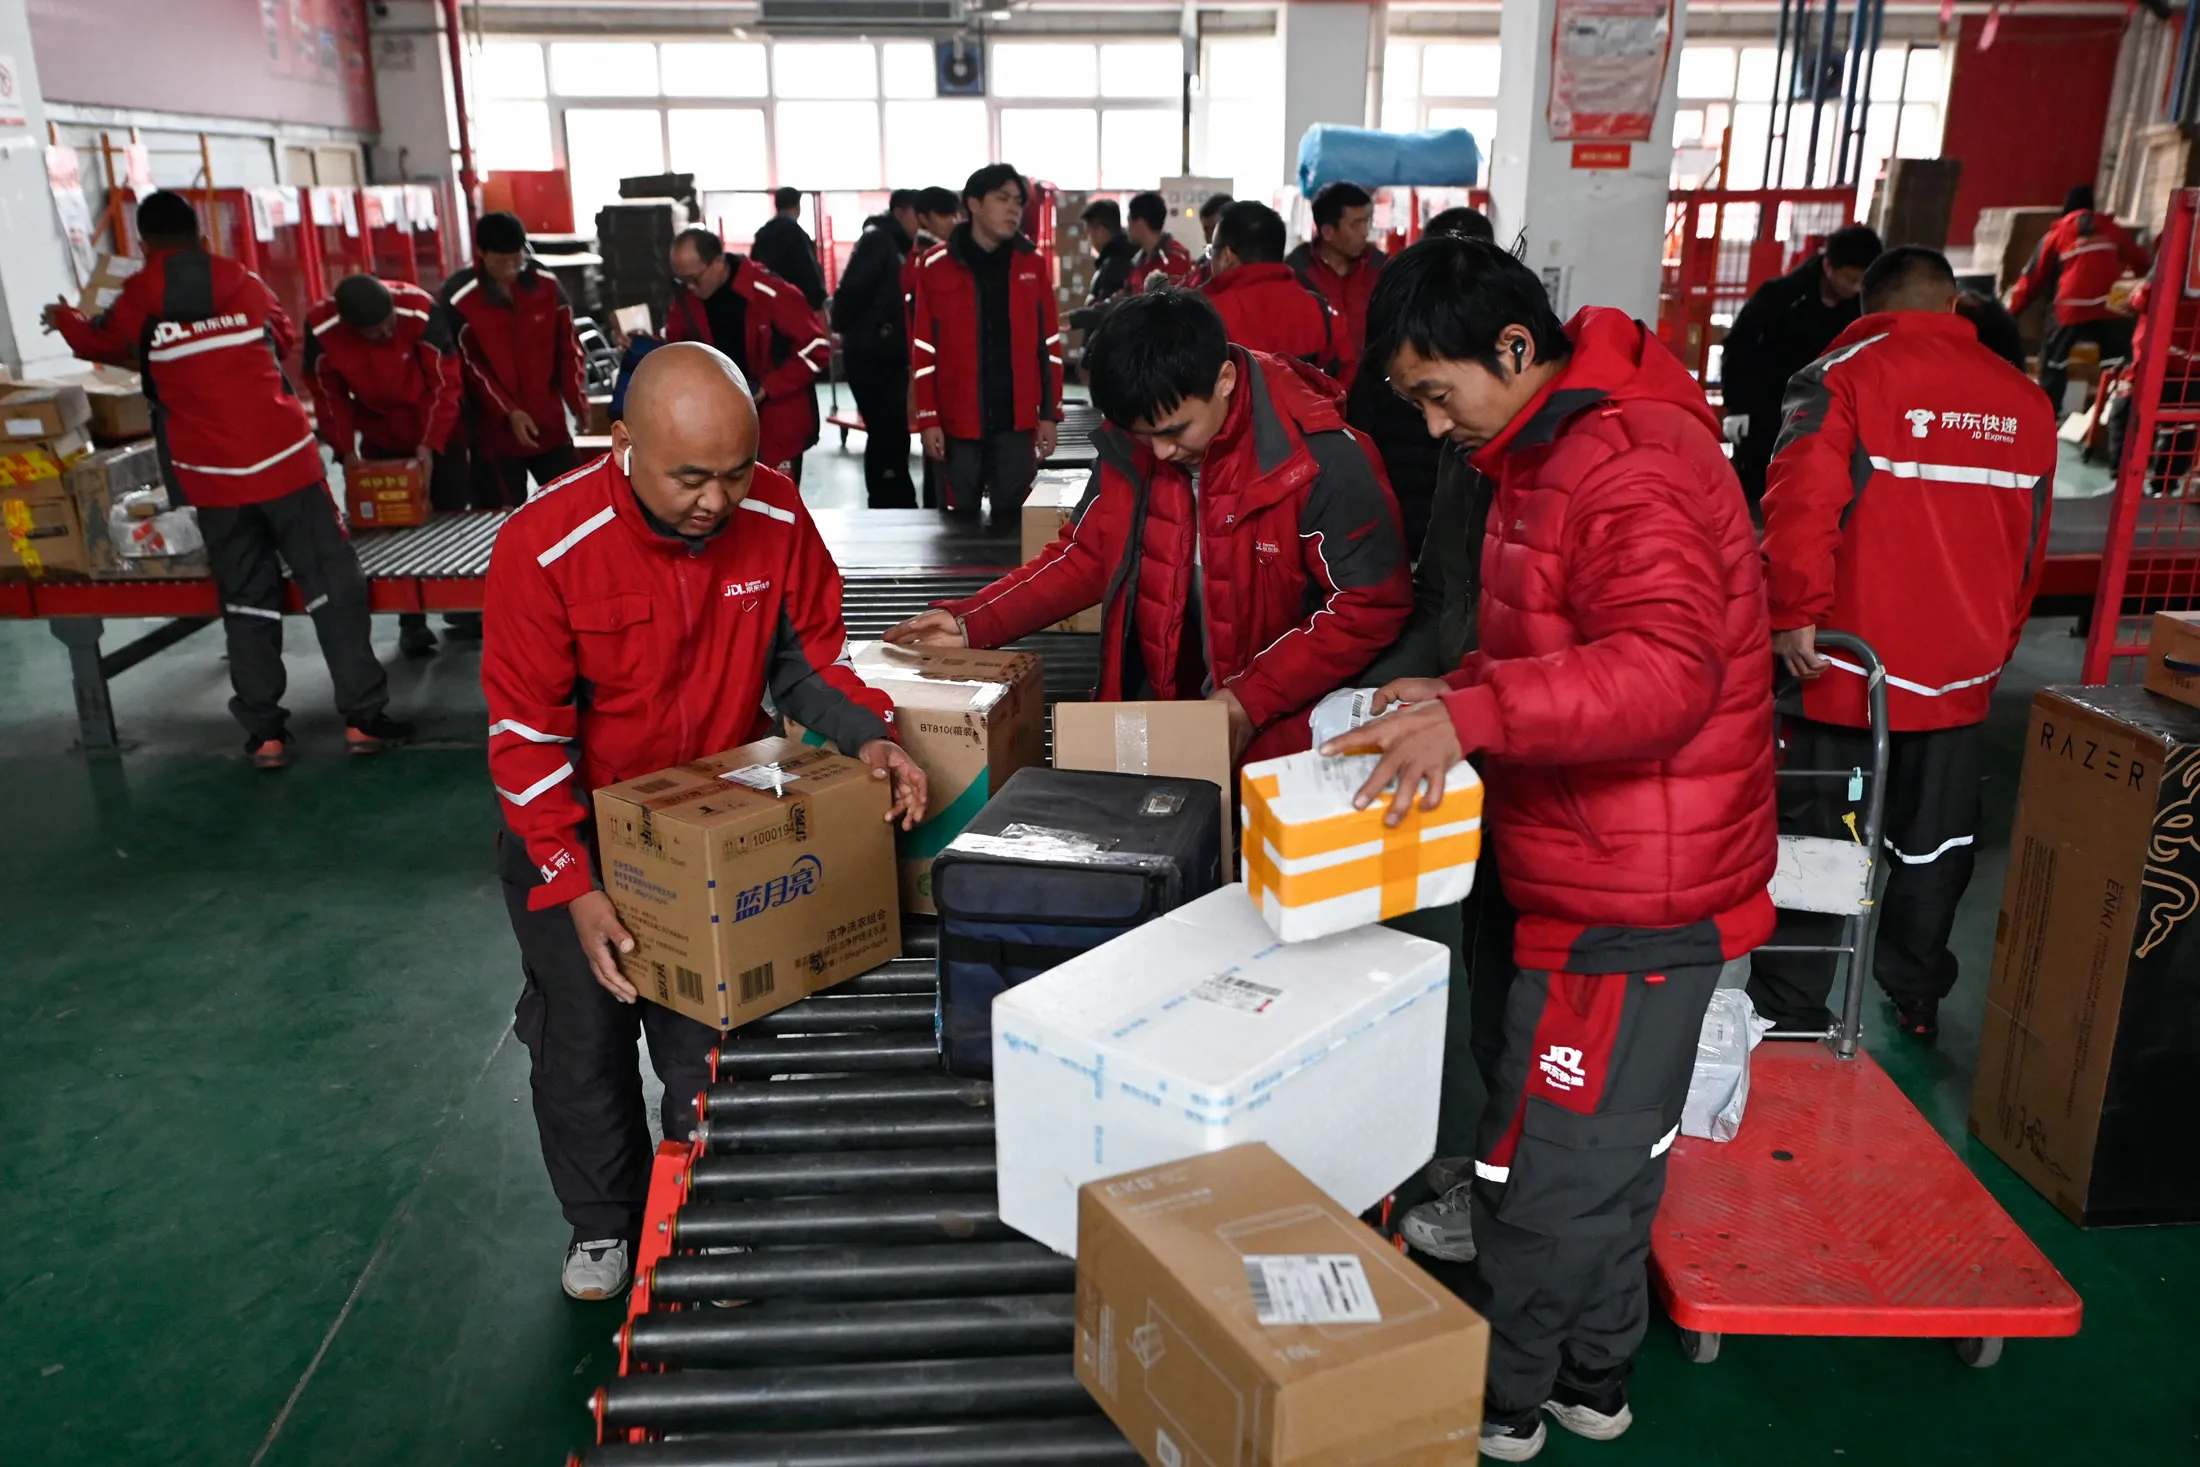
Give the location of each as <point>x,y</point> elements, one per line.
<point>2082,256</point>
<point>1162,259</point>
<point>1620,698</point>
<point>638,616</point>
<point>1265,306</point>
<point>1909,507</point>
<point>986,353</point>
<point>521,361</point>
<point>765,327</point>
<point>386,385</point>
<point>1339,263</point>
<point>1237,536</point>
<point>209,339</point>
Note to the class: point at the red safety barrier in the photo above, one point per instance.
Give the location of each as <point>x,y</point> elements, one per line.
<point>1721,244</point>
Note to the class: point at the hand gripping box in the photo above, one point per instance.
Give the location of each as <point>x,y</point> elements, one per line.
<point>1315,865</point>
<point>1199,1031</point>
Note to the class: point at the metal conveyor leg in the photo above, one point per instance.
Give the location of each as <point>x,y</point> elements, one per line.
<point>95,712</point>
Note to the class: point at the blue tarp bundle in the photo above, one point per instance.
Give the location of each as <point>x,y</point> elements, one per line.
<point>1445,158</point>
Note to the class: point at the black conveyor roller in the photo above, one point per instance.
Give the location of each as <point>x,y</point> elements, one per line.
<point>904,1392</point>
<point>815,1333</point>
<point>846,1130</point>
<point>936,1271</point>
<point>858,1013</point>
<point>901,976</point>
<point>760,1059</point>
<point>851,1092</point>
<point>809,1221</point>
<point>840,1173</point>
<point>1088,1442</point>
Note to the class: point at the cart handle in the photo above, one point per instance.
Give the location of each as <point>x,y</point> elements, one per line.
<point>1867,930</point>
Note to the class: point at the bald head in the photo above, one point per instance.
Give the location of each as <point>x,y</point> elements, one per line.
<point>688,440</point>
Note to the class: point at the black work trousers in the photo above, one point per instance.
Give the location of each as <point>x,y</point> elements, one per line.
<point>997,468</point>
<point>1931,819</point>
<point>2112,336</point>
<point>247,547</point>
<point>584,1072</point>
<point>502,482</point>
<point>881,387</point>
<point>1592,1071</point>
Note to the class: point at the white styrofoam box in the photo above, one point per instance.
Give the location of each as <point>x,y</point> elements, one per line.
<point>1202,1030</point>
<point>1821,874</point>
<point>1440,887</point>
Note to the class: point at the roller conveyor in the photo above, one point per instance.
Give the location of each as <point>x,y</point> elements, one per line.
<point>814,1333</point>
<point>849,1014</point>
<point>842,1173</point>
<point>851,1092</point>
<point>895,1393</point>
<point>795,1222</point>
<point>1087,1442</point>
<point>845,1130</point>
<point>929,1271</point>
<point>760,1059</point>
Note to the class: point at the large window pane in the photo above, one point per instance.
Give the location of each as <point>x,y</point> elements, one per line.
<point>1454,70</point>
<point>603,69</point>
<point>1755,79</point>
<point>1143,69</point>
<point>1920,134</point>
<point>1246,69</point>
<point>736,216</point>
<point>910,69</point>
<point>1140,148</point>
<point>1401,114</point>
<point>715,69</point>
<point>509,69</point>
<point>722,146</point>
<point>940,142</point>
<point>825,69</point>
<point>1058,144</point>
<point>1044,69</point>
<point>1707,72</point>
<point>606,144</point>
<point>1926,83</point>
<point>1745,160</point>
<point>1241,143</point>
<point>1887,68</point>
<point>1401,70</point>
<point>828,144</point>
<point>512,136</point>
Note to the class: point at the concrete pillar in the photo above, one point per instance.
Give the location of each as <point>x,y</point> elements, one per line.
<point>1325,49</point>
<point>34,256</point>
<point>1594,234</point>
<point>412,93</point>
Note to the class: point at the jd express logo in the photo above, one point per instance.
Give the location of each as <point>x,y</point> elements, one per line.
<point>744,588</point>
<point>168,333</point>
<point>800,881</point>
<point>1561,1065</point>
<point>1991,426</point>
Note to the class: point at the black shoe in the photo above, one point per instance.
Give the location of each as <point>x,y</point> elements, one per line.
<point>1918,1018</point>
<point>373,735</point>
<point>465,626</point>
<point>416,641</point>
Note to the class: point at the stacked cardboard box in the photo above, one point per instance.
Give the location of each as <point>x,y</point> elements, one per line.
<point>131,530</point>
<point>1054,494</point>
<point>44,429</point>
<point>634,236</point>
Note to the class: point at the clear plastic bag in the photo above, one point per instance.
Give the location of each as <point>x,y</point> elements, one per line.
<point>1340,713</point>
<point>1718,1086</point>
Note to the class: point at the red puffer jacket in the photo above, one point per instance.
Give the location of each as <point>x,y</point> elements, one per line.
<point>787,350</point>
<point>392,394</point>
<point>518,351</point>
<point>1347,294</point>
<point>2086,252</point>
<point>1168,259</point>
<point>943,339</point>
<point>209,339</point>
<point>1623,690</point>
<point>1268,308</point>
<point>1303,572</point>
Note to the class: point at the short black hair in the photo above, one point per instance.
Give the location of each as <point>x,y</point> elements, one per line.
<point>1464,222</point>
<point>1252,231</point>
<point>1853,247</point>
<point>1215,205</point>
<point>1997,329</point>
<point>993,176</point>
<point>1451,298</point>
<point>784,199</point>
<point>1334,199</point>
<point>1908,271</point>
<point>1106,213</point>
<point>1150,209</point>
<point>1152,352</point>
<point>500,234</point>
<point>901,198</point>
<point>165,217</point>
<point>2080,198</point>
<point>363,301</point>
<point>705,242</point>
<point>937,200</point>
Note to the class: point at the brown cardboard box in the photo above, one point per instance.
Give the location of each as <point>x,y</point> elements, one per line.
<point>30,462</point>
<point>41,534</point>
<point>1229,1313</point>
<point>100,482</point>
<point>2089,1053</point>
<point>105,286</point>
<point>750,879</point>
<point>970,718</point>
<point>384,493</point>
<point>120,411</point>
<point>2173,656</point>
<point>1055,494</point>
<point>44,410</point>
<point>1188,740</point>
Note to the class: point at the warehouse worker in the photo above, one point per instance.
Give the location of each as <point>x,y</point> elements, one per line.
<point>939,210</point>
<point>1210,215</point>
<point>1264,304</point>
<point>209,339</point>
<point>986,353</point>
<point>1161,259</point>
<point>2082,255</point>
<point>611,653</point>
<point>1933,559</point>
<point>1619,701</point>
<point>765,327</point>
<point>1236,535</point>
<point>1786,325</point>
<point>1339,263</point>
<point>521,361</point>
<point>873,323</point>
<point>1112,251</point>
<point>386,385</point>
<point>785,248</point>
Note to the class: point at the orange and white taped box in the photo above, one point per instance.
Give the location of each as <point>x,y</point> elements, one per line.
<point>1314,865</point>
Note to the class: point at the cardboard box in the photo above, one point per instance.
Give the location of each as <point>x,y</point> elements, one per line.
<point>1230,1315</point>
<point>1198,1031</point>
<point>750,879</point>
<point>2173,656</point>
<point>30,462</point>
<point>1315,865</point>
<point>384,493</point>
<point>1188,740</point>
<point>129,480</point>
<point>1055,495</point>
<point>44,410</point>
<point>41,534</point>
<point>105,286</point>
<point>120,410</point>
<point>2089,1053</point>
<point>970,719</point>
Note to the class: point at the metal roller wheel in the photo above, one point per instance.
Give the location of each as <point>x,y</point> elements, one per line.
<point>1703,1347</point>
<point>1979,1352</point>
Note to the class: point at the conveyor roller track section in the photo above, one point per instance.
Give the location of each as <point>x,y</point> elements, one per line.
<point>1085,1442</point>
<point>932,1271</point>
<point>842,1173</point>
<point>812,1333</point>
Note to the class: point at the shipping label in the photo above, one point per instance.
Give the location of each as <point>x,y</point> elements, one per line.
<point>1310,1288</point>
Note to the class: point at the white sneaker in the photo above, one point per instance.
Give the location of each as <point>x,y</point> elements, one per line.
<point>1587,1421</point>
<point>1515,1444</point>
<point>598,1270</point>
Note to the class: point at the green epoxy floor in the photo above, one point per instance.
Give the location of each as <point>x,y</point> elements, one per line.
<point>269,1189</point>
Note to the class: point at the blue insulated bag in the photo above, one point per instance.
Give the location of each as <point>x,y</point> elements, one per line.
<point>1057,863</point>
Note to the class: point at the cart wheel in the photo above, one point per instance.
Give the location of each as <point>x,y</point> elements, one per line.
<point>1702,1348</point>
<point>844,440</point>
<point>1979,1353</point>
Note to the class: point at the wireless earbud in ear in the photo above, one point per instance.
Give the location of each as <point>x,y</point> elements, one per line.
<point>626,465</point>
<point>1520,349</point>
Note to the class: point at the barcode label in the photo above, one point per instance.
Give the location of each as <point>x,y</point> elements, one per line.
<point>755,983</point>
<point>1310,1288</point>
<point>769,777</point>
<point>1233,992</point>
<point>690,982</point>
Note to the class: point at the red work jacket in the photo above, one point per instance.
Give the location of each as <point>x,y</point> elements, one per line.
<point>788,349</point>
<point>1267,308</point>
<point>517,352</point>
<point>1347,295</point>
<point>1168,259</point>
<point>392,394</point>
<point>2086,252</point>
<point>944,344</point>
